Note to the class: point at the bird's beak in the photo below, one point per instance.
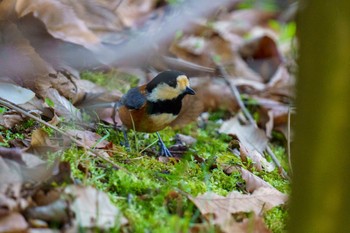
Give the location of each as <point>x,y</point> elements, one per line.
<point>189,91</point>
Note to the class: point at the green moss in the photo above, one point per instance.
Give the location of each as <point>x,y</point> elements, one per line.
<point>276,219</point>
<point>113,80</point>
<point>153,194</point>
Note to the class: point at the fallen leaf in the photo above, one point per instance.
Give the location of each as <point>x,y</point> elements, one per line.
<point>14,222</point>
<point>93,208</point>
<point>259,161</point>
<point>241,22</point>
<point>60,21</point>
<point>131,11</point>
<point>281,83</point>
<point>63,107</point>
<point>184,139</point>
<point>15,94</point>
<point>254,224</point>
<point>7,205</point>
<point>19,167</point>
<point>19,60</point>
<point>214,94</point>
<point>11,118</point>
<point>88,138</point>
<point>56,211</point>
<point>252,181</point>
<point>222,207</point>
<point>251,137</point>
<point>262,55</point>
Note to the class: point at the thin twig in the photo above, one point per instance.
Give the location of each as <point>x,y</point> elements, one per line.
<point>19,109</point>
<point>247,114</point>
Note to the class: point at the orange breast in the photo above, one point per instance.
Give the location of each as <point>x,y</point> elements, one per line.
<point>142,122</point>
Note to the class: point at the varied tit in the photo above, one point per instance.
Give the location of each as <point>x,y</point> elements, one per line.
<point>152,107</point>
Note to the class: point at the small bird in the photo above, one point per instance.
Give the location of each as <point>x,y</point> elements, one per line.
<point>152,107</point>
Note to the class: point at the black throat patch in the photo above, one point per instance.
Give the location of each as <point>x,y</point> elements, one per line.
<point>172,106</point>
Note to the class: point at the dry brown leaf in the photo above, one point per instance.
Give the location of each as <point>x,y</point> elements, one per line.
<point>259,161</point>
<point>199,50</point>
<point>222,207</point>
<point>62,106</point>
<point>97,15</point>
<point>254,224</point>
<point>93,208</point>
<point>19,60</point>
<point>41,143</point>
<point>88,138</point>
<point>19,167</point>
<point>214,94</point>
<point>184,139</point>
<point>131,11</point>
<point>262,55</point>
<point>56,211</point>
<point>60,21</point>
<point>252,181</point>
<point>14,222</point>
<point>241,22</point>
<point>251,137</point>
<point>281,83</point>
<point>11,118</point>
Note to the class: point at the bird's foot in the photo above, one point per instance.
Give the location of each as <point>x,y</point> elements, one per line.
<point>163,150</point>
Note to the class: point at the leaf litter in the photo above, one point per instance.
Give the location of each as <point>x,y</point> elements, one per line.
<point>48,62</point>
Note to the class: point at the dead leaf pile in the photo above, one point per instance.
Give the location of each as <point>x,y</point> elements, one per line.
<point>222,209</point>
<point>46,44</point>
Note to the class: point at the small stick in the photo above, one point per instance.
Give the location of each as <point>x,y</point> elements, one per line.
<point>19,109</point>
<point>247,114</point>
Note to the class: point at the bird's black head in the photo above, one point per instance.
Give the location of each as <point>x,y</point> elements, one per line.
<point>168,85</point>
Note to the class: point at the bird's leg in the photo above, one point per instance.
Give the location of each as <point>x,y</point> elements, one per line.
<point>126,141</point>
<point>163,149</point>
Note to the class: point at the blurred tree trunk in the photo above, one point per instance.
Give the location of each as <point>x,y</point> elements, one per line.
<point>320,199</point>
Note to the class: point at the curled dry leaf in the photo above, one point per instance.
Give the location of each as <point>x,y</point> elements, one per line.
<point>59,19</point>
<point>259,161</point>
<point>62,106</point>
<point>214,94</point>
<point>15,94</point>
<point>262,55</point>
<point>252,181</point>
<point>41,143</point>
<point>19,60</point>
<point>14,222</point>
<point>254,224</point>
<point>88,138</point>
<point>184,139</point>
<point>199,50</point>
<point>281,83</point>
<point>10,119</point>
<point>19,167</point>
<point>251,137</point>
<point>241,22</point>
<point>56,211</point>
<point>93,208</point>
<point>222,207</point>
<point>131,11</point>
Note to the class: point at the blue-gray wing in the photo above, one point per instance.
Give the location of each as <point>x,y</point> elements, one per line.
<point>133,99</point>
